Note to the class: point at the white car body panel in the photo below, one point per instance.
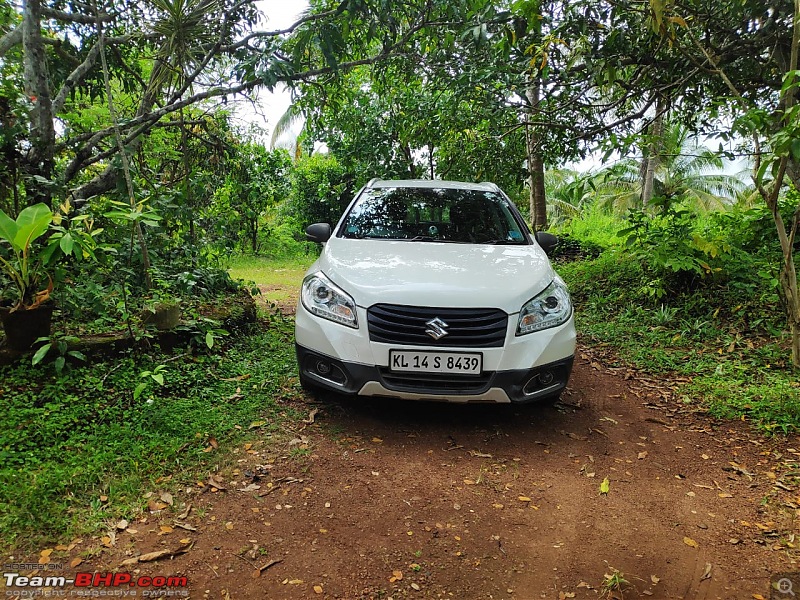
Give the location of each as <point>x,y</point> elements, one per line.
<point>436,274</point>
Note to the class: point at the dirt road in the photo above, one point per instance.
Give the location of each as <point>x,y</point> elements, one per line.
<point>410,500</point>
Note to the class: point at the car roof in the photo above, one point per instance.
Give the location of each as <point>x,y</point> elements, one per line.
<point>432,184</point>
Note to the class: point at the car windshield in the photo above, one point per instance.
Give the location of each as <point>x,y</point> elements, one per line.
<point>433,215</point>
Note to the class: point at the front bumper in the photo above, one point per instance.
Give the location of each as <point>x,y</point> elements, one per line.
<point>524,369</point>
<point>517,385</point>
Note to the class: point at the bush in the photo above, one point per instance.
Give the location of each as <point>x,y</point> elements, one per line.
<point>321,190</point>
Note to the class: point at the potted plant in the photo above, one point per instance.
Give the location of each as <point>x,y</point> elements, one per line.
<point>26,255</point>
<point>26,312</point>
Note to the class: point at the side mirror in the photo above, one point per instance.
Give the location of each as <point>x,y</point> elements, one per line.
<point>547,241</point>
<point>318,232</point>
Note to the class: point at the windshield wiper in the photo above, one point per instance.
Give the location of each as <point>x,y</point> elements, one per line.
<point>499,242</point>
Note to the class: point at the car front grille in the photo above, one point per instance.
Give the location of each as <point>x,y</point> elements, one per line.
<point>435,383</point>
<point>465,327</point>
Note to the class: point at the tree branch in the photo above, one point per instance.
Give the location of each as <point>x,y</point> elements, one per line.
<point>74,78</point>
<point>10,39</point>
<point>69,17</point>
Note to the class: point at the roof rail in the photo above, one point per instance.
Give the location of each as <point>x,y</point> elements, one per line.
<point>494,186</point>
<point>372,181</point>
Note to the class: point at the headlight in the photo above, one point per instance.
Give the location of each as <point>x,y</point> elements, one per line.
<point>549,309</point>
<point>323,298</point>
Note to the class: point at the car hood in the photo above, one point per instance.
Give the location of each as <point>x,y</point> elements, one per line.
<point>436,274</point>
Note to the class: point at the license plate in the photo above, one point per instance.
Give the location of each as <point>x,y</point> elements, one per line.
<point>436,362</point>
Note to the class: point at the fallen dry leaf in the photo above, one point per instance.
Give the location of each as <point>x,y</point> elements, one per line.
<point>166,497</point>
<point>213,481</point>
<point>706,573</point>
<point>605,486</point>
<point>654,579</point>
<point>155,505</point>
<point>122,524</point>
<point>317,589</point>
<point>238,378</point>
<point>642,455</point>
<point>311,415</point>
<point>396,576</point>
<point>690,542</point>
<point>75,562</point>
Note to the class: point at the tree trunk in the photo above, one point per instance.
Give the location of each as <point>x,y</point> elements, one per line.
<point>187,187</point>
<point>652,154</point>
<point>789,289</point>
<point>37,87</point>
<point>538,198</point>
<point>136,225</point>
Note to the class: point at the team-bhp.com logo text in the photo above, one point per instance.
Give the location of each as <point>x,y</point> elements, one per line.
<point>92,581</point>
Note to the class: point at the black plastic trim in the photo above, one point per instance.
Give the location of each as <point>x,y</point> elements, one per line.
<point>434,385</point>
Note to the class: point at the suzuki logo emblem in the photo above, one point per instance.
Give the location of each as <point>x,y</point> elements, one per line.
<point>437,328</point>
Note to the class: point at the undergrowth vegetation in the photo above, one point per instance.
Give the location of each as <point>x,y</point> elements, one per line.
<point>79,448</point>
<point>695,297</point>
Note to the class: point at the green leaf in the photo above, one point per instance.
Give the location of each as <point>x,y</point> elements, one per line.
<point>605,486</point>
<point>40,354</point>
<point>8,228</point>
<point>209,339</point>
<point>796,149</point>
<point>59,363</point>
<point>67,243</point>
<point>32,222</point>
<point>139,389</point>
<point>158,377</point>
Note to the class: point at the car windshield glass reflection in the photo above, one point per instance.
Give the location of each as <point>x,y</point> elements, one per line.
<point>433,215</point>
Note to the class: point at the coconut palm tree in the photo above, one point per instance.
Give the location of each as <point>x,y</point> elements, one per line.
<point>284,133</point>
<point>568,193</point>
<point>686,172</point>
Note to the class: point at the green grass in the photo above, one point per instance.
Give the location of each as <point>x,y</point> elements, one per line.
<point>280,278</point>
<point>595,226</point>
<point>66,441</point>
<point>731,346</point>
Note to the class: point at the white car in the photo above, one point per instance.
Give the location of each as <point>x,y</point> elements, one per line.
<point>434,290</point>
